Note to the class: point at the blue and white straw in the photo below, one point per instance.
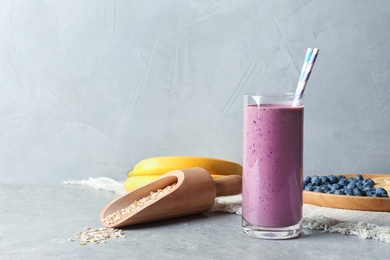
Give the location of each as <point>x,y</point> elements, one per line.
<point>310,59</point>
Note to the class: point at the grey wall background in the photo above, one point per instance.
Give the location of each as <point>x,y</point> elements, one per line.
<point>89,88</point>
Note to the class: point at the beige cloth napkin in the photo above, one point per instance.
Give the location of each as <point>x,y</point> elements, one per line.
<point>364,224</point>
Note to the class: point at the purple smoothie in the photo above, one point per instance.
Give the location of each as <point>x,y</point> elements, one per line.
<point>272,165</point>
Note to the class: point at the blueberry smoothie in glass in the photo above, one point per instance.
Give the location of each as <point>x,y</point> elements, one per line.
<point>272,166</point>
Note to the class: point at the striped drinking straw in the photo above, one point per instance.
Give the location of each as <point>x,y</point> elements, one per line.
<point>310,59</point>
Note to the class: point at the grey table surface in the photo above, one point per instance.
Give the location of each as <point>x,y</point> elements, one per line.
<point>37,221</point>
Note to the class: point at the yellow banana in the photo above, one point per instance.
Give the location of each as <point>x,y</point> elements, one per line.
<point>164,164</point>
<point>150,169</point>
<point>133,182</point>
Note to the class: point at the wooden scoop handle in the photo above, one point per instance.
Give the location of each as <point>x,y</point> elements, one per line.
<point>228,185</point>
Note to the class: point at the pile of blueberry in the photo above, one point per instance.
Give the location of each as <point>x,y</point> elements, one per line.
<point>341,185</point>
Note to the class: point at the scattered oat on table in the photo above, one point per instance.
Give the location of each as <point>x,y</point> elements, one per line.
<point>98,235</point>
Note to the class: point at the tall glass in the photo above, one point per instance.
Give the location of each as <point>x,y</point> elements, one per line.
<point>272,166</point>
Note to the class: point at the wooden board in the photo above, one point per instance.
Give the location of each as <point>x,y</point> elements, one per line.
<point>352,202</point>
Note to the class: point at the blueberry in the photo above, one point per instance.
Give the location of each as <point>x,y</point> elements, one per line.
<point>368,182</point>
<point>306,180</point>
<point>349,192</point>
<point>366,188</point>
<point>359,184</point>
<point>333,179</point>
<point>318,189</point>
<point>309,184</point>
<point>316,180</point>
<point>324,179</point>
<point>343,182</point>
<point>351,185</point>
<point>309,187</point>
<point>380,191</point>
<point>359,177</point>
<point>359,192</point>
<point>339,192</point>
<point>368,194</point>
<point>336,186</point>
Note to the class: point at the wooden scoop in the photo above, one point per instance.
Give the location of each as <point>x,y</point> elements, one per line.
<point>194,192</point>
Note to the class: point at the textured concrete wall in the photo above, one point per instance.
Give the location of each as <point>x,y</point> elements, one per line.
<point>89,88</point>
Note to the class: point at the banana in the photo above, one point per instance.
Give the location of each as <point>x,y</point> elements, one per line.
<point>150,169</point>
<point>133,182</point>
<point>164,164</point>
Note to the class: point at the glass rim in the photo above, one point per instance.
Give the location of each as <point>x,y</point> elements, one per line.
<point>271,95</point>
